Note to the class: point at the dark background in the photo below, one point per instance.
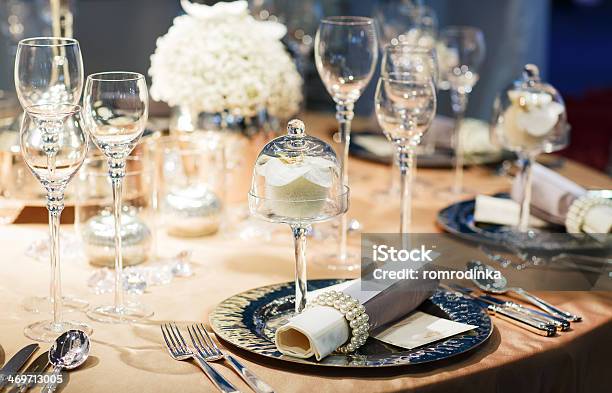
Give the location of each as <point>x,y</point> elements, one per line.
<point>569,40</point>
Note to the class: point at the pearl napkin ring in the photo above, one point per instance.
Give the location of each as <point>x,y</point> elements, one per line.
<point>578,210</point>
<point>355,315</point>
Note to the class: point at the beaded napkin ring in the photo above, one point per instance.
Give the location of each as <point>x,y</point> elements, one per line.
<point>353,311</point>
<point>578,210</point>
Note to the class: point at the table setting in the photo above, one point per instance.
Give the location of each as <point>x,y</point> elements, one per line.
<point>173,273</point>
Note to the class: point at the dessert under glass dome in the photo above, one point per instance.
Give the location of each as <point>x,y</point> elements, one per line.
<point>297,181</point>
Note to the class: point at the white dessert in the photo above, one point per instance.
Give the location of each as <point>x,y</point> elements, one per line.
<point>297,188</point>
<point>529,120</point>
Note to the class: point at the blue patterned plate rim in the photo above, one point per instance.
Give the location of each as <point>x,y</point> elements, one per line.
<point>458,220</point>
<point>240,320</point>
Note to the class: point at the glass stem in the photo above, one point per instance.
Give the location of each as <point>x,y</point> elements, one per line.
<point>459,102</point>
<point>117,173</point>
<point>55,205</point>
<point>299,238</point>
<point>344,116</point>
<point>405,158</point>
<point>395,182</point>
<point>526,162</point>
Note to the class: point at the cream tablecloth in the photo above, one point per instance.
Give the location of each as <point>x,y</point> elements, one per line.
<point>131,358</point>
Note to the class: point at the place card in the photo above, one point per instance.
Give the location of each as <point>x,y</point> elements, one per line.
<point>419,328</point>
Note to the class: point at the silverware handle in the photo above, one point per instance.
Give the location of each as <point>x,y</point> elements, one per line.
<point>549,308</point>
<point>561,323</point>
<point>52,385</point>
<point>219,380</point>
<point>251,379</point>
<point>523,321</point>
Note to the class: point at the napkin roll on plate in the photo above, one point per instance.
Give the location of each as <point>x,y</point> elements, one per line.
<point>318,331</point>
<point>554,199</point>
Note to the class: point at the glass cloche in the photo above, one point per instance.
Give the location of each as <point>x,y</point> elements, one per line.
<point>297,181</point>
<point>529,116</point>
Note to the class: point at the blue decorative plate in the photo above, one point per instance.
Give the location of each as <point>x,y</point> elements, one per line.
<point>458,219</point>
<point>249,320</point>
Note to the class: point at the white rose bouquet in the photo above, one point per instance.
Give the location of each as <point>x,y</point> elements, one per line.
<point>219,58</point>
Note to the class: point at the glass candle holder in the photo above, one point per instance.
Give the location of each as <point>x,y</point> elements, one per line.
<point>94,220</point>
<point>189,183</point>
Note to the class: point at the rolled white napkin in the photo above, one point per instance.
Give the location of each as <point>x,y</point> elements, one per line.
<point>500,211</point>
<point>318,331</point>
<point>552,195</point>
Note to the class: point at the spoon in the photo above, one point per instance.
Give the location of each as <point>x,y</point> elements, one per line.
<point>500,286</point>
<point>69,351</point>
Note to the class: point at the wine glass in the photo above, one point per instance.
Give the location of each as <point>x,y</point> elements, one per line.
<point>405,107</point>
<point>115,112</point>
<point>403,58</point>
<point>53,145</point>
<point>49,70</point>
<point>301,19</point>
<point>464,51</point>
<point>402,22</point>
<point>529,118</point>
<point>346,52</point>
<point>296,181</point>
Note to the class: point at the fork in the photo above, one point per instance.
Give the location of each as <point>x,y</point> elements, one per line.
<point>209,350</point>
<point>179,350</point>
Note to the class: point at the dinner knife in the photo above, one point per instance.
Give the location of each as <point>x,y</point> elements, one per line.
<point>16,362</point>
<point>560,323</point>
<point>39,365</point>
<point>516,318</point>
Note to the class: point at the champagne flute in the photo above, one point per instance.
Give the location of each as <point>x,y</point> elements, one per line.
<point>115,112</point>
<point>53,146</point>
<point>464,51</point>
<point>49,70</point>
<point>405,107</point>
<point>346,52</point>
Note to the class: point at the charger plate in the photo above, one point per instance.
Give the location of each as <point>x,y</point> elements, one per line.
<point>458,219</point>
<point>248,321</point>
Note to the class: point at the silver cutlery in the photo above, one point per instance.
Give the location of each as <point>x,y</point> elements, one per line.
<point>179,350</point>
<point>521,320</point>
<point>210,351</point>
<point>561,324</point>
<point>500,286</point>
<point>16,362</point>
<point>69,351</point>
<point>39,365</point>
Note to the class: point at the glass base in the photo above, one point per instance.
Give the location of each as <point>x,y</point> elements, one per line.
<point>451,194</point>
<point>48,331</point>
<point>333,261</point>
<point>44,304</point>
<point>245,227</point>
<point>129,313</point>
<point>420,188</point>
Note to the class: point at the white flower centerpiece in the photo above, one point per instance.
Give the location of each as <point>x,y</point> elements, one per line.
<point>220,60</point>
